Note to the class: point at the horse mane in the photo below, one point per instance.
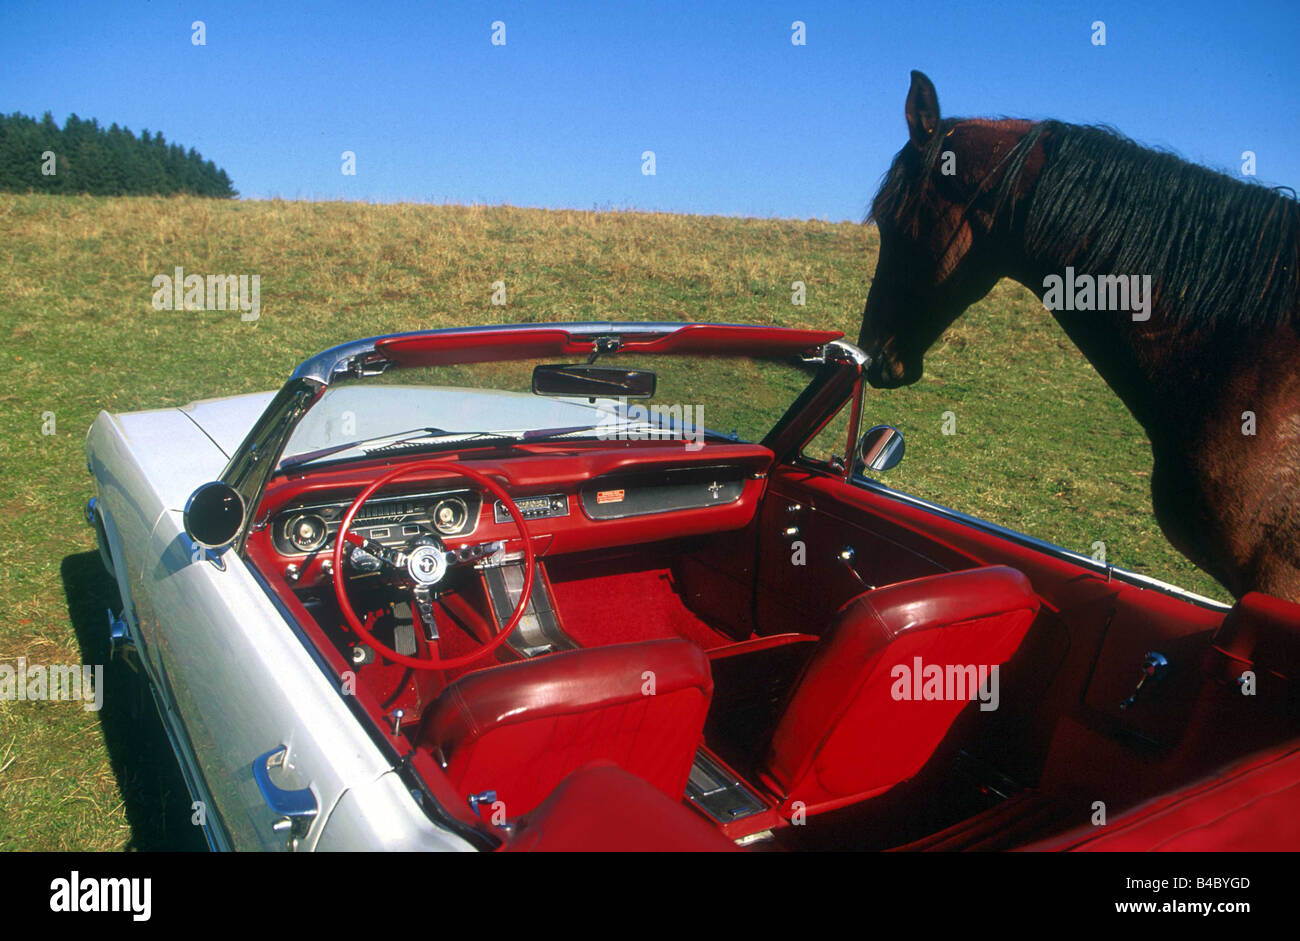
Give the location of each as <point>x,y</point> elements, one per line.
<point>1221,252</point>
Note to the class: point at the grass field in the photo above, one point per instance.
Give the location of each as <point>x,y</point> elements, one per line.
<point>1041,446</point>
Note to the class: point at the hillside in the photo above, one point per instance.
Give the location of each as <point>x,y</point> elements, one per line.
<point>1041,446</point>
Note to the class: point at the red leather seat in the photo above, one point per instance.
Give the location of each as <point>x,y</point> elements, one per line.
<point>633,817</point>
<point>1253,805</point>
<point>521,728</point>
<point>845,734</point>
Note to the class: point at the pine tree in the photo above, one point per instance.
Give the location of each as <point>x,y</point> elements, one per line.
<point>101,161</point>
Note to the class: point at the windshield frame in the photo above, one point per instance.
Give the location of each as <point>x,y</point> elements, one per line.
<point>258,456</point>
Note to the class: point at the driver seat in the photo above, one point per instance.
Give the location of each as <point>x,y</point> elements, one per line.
<point>520,729</point>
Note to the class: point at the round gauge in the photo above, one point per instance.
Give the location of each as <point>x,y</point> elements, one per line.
<point>449,515</point>
<point>306,532</point>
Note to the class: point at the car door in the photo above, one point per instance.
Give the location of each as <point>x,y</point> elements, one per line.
<point>273,739</point>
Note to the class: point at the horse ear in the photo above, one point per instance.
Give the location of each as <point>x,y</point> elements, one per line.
<point>922,109</point>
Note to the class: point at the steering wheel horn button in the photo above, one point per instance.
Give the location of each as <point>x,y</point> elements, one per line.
<point>426,565</point>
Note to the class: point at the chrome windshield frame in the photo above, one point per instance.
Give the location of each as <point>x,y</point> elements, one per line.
<point>255,460</point>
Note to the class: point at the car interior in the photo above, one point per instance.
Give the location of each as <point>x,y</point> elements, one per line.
<point>748,647</point>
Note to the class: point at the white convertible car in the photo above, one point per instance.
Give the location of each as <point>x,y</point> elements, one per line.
<point>635,586</point>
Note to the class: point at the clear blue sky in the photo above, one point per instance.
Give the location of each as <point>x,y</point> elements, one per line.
<point>742,122</point>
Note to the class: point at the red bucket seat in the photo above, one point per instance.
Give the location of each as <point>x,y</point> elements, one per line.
<point>853,726</point>
<point>521,728</point>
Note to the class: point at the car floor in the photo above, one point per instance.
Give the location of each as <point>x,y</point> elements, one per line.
<point>625,600</point>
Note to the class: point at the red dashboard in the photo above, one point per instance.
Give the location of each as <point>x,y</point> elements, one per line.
<point>574,499</point>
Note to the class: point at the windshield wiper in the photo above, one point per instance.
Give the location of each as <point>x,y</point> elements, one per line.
<point>615,431</point>
<point>402,440</point>
<point>440,440</point>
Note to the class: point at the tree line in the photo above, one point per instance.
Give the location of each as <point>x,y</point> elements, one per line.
<point>82,157</point>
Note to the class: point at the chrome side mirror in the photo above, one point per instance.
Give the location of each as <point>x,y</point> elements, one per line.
<point>214,515</point>
<point>881,448</point>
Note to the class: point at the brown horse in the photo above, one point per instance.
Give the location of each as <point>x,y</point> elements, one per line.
<point>1180,285</point>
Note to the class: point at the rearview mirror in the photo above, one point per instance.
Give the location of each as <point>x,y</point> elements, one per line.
<point>214,515</point>
<point>881,448</point>
<point>593,381</point>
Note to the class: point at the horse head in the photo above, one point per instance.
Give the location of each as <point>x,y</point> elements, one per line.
<point>936,212</point>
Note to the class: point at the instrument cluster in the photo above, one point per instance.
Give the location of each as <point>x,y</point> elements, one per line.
<point>390,521</point>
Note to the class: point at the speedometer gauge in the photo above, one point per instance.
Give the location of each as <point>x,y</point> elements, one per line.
<point>306,532</point>
<point>449,515</point>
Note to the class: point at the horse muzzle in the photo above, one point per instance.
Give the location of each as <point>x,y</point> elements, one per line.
<point>886,371</point>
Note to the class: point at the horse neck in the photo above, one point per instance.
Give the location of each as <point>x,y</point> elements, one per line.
<point>1153,368</point>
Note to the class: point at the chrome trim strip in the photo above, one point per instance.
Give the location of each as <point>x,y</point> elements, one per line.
<point>1110,571</point>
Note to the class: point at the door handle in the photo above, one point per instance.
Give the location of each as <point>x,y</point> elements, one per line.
<point>1154,667</point>
<point>846,557</point>
<point>295,810</point>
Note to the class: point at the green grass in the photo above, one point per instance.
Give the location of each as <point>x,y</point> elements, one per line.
<point>1041,446</point>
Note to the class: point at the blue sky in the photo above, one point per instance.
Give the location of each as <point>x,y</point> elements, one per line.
<point>742,122</point>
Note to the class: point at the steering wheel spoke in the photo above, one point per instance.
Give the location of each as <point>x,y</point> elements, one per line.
<point>394,559</point>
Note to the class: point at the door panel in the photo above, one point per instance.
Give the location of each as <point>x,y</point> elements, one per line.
<point>1081,659</point>
<point>804,527</point>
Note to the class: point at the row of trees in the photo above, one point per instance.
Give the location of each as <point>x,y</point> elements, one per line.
<point>82,157</point>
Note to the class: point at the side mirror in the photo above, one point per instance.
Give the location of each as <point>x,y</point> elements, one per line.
<point>593,381</point>
<point>881,448</point>
<point>214,515</point>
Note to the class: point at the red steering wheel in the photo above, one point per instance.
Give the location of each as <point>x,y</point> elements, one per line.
<point>426,565</point>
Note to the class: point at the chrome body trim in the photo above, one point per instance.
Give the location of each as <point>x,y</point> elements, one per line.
<point>1110,571</point>
<point>214,829</point>
<point>848,351</point>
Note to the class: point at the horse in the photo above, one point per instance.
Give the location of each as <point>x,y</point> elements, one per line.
<point>1202,347</point>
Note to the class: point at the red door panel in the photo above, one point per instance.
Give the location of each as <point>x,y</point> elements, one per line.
<point>803,530</point>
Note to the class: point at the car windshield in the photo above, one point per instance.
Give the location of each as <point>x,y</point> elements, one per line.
<point>697,399</point>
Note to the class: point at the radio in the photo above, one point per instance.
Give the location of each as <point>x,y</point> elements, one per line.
<point>534,508</point>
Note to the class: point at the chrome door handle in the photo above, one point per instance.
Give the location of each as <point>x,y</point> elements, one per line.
<point>846,557</point>
<point>294,810</point>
